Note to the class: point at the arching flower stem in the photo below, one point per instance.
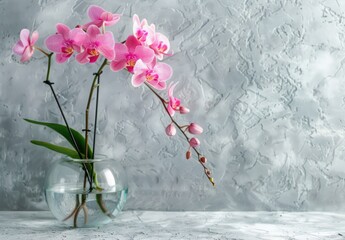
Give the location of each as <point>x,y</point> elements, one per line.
<point>181,128</point>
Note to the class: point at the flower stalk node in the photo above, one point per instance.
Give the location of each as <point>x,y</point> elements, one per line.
<point>97,73</point>
<point>48,82</point>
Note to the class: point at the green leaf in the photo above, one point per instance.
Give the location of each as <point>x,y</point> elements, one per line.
<point>62,129</point>
<point>67,151</point>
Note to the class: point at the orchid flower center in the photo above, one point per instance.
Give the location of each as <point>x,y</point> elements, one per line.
<point>141,35</point>
<point>93,52</point>
<point>131,60</point>
<point>151,76</point>
<point>162,47</point>
<point>68,42</point>
<point>93,45</point>
<point>67,50</point>
<point>175,104</point>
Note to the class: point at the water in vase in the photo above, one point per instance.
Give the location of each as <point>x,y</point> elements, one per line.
<point>99,207</point>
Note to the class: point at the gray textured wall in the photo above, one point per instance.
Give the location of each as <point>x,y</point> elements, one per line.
<point>264,78</point>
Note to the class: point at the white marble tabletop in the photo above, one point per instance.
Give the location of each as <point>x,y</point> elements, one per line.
<point>140,225</point>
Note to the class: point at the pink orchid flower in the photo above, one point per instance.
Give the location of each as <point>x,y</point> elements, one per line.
<point>161,46</point>
<point>156,74</point>
<point>96,43</point>
<point>174,103</point>
<point>128,54</point>
<point>65,42</point>
<point>25,46</point>
<point>142,31</point>
<point>100,17</point>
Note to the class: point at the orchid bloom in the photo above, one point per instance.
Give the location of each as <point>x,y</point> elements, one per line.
<point>142,31</point>
<point>155,74</point>
<point>128,54</point>
<point>96,43</point>
<point>174,103</point>
<point>100,17</point>
<point>65,42</point>
<point>161,46</point>
<point>25,46</point>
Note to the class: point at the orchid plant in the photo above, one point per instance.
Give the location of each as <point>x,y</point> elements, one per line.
<point>139,54</point>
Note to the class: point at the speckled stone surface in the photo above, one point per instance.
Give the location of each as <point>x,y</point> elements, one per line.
<point>142,225</point>
<point>265,78</point>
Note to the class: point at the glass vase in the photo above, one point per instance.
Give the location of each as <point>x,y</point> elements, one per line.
<point>86,192</point>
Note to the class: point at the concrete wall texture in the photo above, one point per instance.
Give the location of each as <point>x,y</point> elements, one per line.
<point>265,78</point>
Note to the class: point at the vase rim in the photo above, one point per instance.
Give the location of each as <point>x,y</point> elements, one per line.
<point>98,158</point>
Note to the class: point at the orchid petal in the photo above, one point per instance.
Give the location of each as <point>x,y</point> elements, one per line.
<point>27,54</point>
<point>117,65</point>
<point>93,31</point>
<point>116,18</point>
<point>106,39</point>
<point>160,56</point>
<point>82,57</point>
<point>137,80</point>
<point>121,51</point>
<point>60,58</point>
<point>93,58</point>
<point>139,67</point>
<point>162,38</point>
<point>63,30</point>
<point>152,64</point>
<point>34,38</point>
<point>171,89</point>
<point>136,22</point>
<point>95,12</point>
<point>25,36</point>
<point>18,48</point>
<point>144,53</point>
<point>54,42</point>
<point>160,85</point>
<point>164,71</point>
<point>153,27</point>
<point>131,43</point>
<point>171,110</point>
<point>78,36</point>
<point>107,52</point>
<point>150,36</point>
<point>98,23</point>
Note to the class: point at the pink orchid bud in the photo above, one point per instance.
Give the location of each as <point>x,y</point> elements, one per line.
<point>170,130</point>
<point>194,142</point>
<point>184,110</point>
<point>203,160</point>
<point>194,128</point>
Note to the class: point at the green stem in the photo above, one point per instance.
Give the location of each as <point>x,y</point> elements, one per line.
<point>99,72</point>
<point>49,64</point>
<point>42,51</point>
<point>48,82</point>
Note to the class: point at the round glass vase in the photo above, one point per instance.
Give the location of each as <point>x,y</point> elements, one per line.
<point>86,192</point>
